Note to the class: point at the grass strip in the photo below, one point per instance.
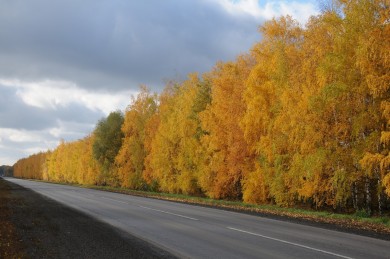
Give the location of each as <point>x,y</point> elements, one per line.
<point>359,221</point>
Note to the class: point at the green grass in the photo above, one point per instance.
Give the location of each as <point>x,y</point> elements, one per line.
<point>360,216</point>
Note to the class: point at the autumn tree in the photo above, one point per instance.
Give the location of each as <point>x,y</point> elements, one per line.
<point>131,157</point>
<point>371,22</point>
<point>270,114</point>
<point>31,167</point>
<point>174,153</point>
<point>226,158</point>
<point>303,119</point>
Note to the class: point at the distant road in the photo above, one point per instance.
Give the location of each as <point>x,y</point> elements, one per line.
<point>198,232</point>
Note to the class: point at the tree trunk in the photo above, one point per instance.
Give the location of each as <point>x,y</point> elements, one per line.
<point>379,198</point>
<point>368,196</point>
<point>354,196</point>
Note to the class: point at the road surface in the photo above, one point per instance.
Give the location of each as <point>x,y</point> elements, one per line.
<point>198,232</point>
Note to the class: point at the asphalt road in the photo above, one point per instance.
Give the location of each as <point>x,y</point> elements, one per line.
<point>198,232</point>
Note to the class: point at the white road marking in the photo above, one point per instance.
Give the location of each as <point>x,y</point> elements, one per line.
<point>290,243</point>
<point>166,212</point>
<point>113,200</point>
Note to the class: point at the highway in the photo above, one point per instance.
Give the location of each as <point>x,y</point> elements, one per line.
<point>198,232</point>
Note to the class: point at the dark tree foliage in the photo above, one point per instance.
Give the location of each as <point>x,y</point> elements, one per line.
<point>108,138</point>
<point>6,170</point>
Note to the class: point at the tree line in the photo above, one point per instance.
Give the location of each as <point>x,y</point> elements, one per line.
<point>6,170</point>
<point>303,118</point>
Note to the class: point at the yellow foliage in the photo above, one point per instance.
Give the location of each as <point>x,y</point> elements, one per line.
<point>254,187</point>
<point>130,159</point>
<point>228,157</point>
<point>386,184</point>
<point>385,137</point>
<point>174,156</point>
<point>303,118</point>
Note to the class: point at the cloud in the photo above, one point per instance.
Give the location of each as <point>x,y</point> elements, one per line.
<point>57,95</point>
<point>14,113</point>
<point>65,64</point>
<point>33,118</point>
<point>25,142</point>
<point>21,143</point>
<point>301,11</point>
<point>117,44</point>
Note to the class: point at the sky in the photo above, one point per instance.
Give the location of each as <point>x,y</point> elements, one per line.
<point>65,64</point>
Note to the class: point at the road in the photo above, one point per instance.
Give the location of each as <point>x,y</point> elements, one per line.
<point>198,232</point>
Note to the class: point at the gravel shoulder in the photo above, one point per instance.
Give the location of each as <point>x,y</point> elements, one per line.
<point>33,226</point>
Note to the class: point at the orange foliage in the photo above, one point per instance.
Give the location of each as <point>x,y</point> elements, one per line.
<point>131,156</point>
<point>228,157</point>
<point>303,118</point>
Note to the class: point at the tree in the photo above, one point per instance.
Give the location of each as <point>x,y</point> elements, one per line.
<point>175,148</point>
<point>6,170</point>
<point>303,119</point>
<point>108,141</point>
<point>131,157</point>
<point>271,98</point>
<point>371,20</point>
<point>227,158</point>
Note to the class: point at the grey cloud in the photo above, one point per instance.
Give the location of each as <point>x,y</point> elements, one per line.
<point>117,44</point>
<point>42,127</point>
<point>106,46</point>
<point>14,113</point>
<point>77,113</point>
<point>11,151</point>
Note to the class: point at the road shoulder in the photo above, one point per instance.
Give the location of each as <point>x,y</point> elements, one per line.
<point>44,228</point>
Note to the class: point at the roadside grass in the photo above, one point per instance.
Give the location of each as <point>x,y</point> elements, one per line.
<point>358,220</point>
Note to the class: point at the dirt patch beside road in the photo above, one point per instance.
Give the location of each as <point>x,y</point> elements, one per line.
<point>10,246</point>
<point>33,226</point>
